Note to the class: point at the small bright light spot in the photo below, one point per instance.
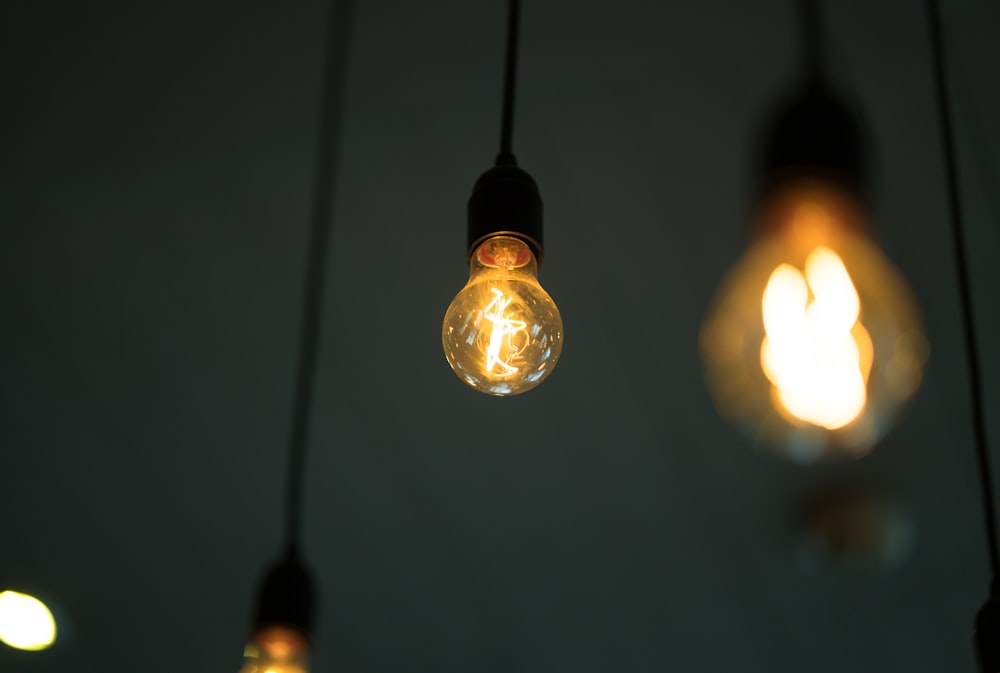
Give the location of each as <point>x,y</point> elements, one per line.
<point>25,622</point>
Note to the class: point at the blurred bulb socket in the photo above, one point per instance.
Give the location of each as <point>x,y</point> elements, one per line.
<point>505,202</point>
<point>987,636</point>
<point>286,597</point>
<point>813,134</point>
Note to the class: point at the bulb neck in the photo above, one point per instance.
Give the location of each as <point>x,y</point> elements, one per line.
<point>505,202</point>
<point>814,135</point>
<point>286,597</point>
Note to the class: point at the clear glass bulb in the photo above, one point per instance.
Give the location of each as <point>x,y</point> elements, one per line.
<point>813,344</point>
<point>502,333</point>
<point>25,622</point>
<point>276,649</point>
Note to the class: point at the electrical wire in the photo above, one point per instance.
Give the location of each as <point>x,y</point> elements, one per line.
<point>965,291</point>
<point>334,73</point>
<point>975,137</point>
<point>811,35</point>
<point>506,156</point>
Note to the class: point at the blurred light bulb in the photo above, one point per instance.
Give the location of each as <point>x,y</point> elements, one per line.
<point>502,333</point>
<point>25,622</point>
<point>813,344</point>
<point>276,649</point>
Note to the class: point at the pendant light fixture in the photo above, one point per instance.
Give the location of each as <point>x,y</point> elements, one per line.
<point>987,628</point>
<point>281,639</point>
<point>502,333</point>
<point>813,343</point>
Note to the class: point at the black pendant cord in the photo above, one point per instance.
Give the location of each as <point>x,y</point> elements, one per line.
<point>812,40</point>
<point>506,156</point>
<point>965,292</point>
<point>334,72</point>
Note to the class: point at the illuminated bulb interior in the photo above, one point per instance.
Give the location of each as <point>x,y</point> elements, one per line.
<point>276,649</point>
<point>813,344</point>
<point>502,334</point>
<point>816,352</point>
<point>25,622</point>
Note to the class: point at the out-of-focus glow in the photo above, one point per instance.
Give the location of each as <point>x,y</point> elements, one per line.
<point>502,334</point>
<point>813,344</point>
<point>276,649</point>
<point>854,529</point>
<point>25,622</point>
<point>810,352</point>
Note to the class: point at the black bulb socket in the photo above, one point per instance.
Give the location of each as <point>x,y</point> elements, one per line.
<point>505,202</point>
<point>987,637</point>
<point>286,597</point>
<point>813,134</point>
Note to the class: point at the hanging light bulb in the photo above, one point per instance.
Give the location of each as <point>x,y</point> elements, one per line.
<point>280,641</point>
<point>502,333</point>
<point>813,343</point>
<point>26,623</point>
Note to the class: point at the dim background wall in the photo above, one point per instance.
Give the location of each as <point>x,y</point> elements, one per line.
<point>157,166</point>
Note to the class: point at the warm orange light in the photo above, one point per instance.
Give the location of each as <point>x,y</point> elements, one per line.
<point>813,344</point>
<point>502,334</point>
<point>811,352</point>
<point>276,649</point>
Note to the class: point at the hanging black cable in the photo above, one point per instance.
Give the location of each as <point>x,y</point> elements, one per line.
<point>811,34</point>
<point>505,199</point>
<point>987,636</point>
<point>814,132</point>
<point>286,599</point>
<point>965,291</point>
<point>506,156</point>
<point>335,70</point>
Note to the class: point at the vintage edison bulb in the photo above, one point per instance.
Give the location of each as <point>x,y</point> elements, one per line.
<point>25,622</point>
<point>502,333</point>
<point>813,344</point>
<point>276,649</point>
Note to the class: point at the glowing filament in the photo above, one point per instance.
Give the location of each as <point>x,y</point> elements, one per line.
<point>816,352</point>
<point>504,329</point>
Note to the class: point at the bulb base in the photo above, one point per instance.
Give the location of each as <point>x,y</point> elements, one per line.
<point>505,202</point>
<point>286,597</point>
